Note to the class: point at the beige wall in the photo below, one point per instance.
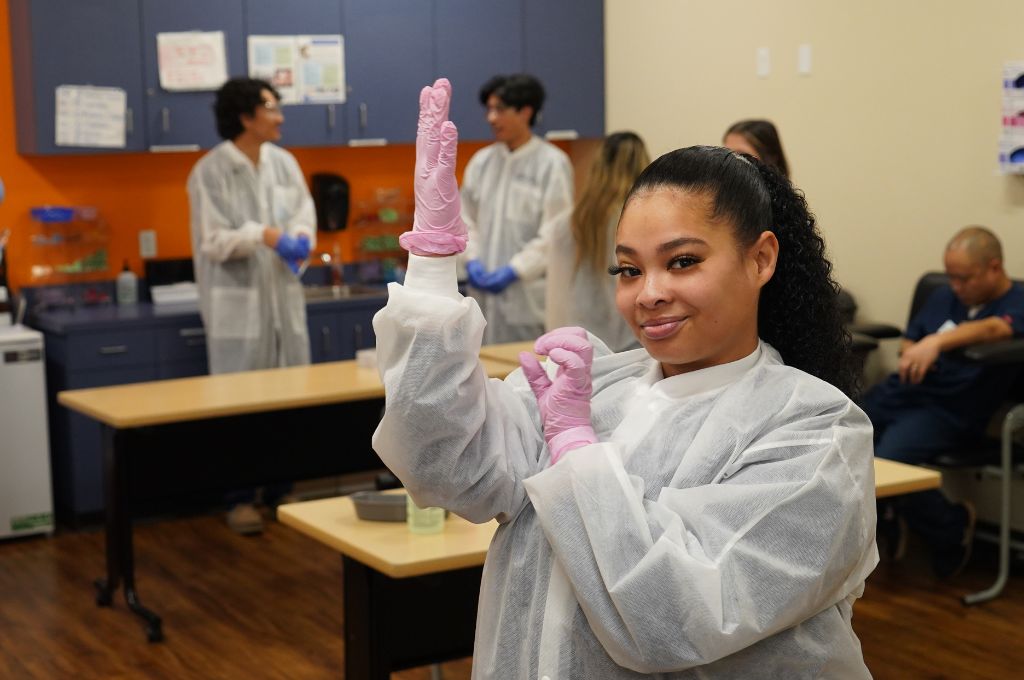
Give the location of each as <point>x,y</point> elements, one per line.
<point>893,136</point>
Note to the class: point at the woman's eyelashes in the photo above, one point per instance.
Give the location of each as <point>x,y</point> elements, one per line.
<point>677,262</point>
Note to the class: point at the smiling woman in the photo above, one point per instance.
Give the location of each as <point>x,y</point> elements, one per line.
<point>696,507</point>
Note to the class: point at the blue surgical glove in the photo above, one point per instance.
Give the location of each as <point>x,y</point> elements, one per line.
<point>293,247</point>
<point>499,279</point>
<point>476,272</point>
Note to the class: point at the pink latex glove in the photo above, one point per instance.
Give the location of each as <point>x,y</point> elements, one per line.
<point>565,401</point>
<point>437,227</point>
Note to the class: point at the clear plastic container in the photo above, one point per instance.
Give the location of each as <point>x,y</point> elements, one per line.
<point>423,520</point>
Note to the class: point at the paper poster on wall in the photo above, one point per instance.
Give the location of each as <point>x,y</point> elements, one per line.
<point>305,69</point>
<point>192,60</point>
<point>90,116</point>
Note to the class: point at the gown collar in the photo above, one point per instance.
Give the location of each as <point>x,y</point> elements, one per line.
<point>695,382</point>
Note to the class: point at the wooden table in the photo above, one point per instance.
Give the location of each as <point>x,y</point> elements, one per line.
<point>506,351</point>
<point>391,575</point>
<point>410,600</point>
<point>895,479</point>
<point>226,432</point>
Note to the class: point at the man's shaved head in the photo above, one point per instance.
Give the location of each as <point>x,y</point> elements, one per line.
<point>980,244</point>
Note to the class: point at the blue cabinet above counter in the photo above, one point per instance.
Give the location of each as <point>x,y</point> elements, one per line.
<point>390,49</point>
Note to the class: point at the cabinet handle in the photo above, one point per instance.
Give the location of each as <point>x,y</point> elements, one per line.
<point>357,333</point>
<point>363,115</point>
<point>330,116</point>
<point>165,118</point>
<point>325,332</point>
<point>191,332</point>
<point>114,349</point>
<point>129,121</point>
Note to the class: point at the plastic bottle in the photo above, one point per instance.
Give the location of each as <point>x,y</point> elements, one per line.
<point>423,520</point>
<point>127,286</point>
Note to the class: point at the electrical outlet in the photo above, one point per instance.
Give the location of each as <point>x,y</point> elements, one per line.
<point>147,243</point>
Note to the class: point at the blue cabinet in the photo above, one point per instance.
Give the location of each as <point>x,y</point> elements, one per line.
<point>476,39</point>
<point>185,119</point>
<point>564,47</point>
<point>337,331</point>
<point>304,124</point>
<point>55,42</point>
<point>389,57</point>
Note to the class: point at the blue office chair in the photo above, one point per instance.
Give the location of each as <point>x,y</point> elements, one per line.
<point>990,456</point>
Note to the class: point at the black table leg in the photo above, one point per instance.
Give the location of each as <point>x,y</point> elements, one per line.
<point>391,624</point>
<point>120,554</point>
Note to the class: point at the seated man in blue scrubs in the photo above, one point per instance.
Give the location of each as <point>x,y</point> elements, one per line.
<point>936,400</point>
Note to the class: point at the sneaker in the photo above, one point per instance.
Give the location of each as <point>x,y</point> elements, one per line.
<point>948,562</point>
<point>245,519</point>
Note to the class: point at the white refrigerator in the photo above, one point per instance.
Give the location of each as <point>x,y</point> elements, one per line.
<point>26,498</point>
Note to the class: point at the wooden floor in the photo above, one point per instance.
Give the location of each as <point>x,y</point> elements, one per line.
<point>270,607</point>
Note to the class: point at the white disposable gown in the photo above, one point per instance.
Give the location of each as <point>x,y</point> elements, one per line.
<point>584,297</point>
<point>252,305</point>
<point>511,201</point>
<point>722,528</point>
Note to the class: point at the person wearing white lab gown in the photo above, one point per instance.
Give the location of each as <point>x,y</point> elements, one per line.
<point>702,507</point>
<point>579,290</point>
<point>253,222</point>
<point>514,192</point>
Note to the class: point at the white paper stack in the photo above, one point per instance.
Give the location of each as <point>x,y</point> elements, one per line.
<point>175,293</point>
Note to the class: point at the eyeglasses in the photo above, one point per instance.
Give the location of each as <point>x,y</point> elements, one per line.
<point>499,108</point>
<point>273,107</point>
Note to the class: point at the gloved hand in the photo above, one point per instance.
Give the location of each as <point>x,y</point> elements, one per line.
<point>293,250</point>
<point>476,272</point>
<point>499,279</point>
<point>437,227</point>
<point>565,401</point>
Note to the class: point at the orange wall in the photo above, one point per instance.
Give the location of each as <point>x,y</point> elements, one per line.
<point>147,191</point>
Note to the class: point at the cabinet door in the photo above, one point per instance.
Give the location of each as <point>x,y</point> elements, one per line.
<point>564,47</point>
<point>476,39</point>
<point>358,326</point>
<point>185,119</point>
<point>55,42</point>
<point>327,342</point>
<point>389,57</point>
<point>304,124</point>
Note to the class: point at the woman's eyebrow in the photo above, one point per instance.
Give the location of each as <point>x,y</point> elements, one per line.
<point>667,246</point>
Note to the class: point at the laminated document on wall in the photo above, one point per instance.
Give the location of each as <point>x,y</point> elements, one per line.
<point>304,69</point>
<point>90,116</point>
<point>191,60</point>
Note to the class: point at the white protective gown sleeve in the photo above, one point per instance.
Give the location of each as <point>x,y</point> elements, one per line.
<point>512,202</point>
<point>722,527</point>
<point>252,305</point>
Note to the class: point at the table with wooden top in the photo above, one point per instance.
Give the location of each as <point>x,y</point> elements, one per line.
<point>222,432</point>
<point>396,617</point>
<point>410,599</point>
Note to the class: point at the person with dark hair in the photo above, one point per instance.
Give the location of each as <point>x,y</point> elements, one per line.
<point>700,507</point>
<point>760,139</point>
<point>514,193</point>
<point>580,293</point>
<point>937,400</point>
<point>252,224</point>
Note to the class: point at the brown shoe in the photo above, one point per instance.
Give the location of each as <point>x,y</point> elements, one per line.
<point>245,519</point>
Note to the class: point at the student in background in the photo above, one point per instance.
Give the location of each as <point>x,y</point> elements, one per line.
<point>760,139</point>
<point>579,290</point>
<point>252,225</point>
<point>514,193</point>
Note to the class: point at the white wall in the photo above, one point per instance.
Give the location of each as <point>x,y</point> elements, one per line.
<point>893,136</point>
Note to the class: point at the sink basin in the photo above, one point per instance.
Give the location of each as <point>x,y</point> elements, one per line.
<point>342,292</point>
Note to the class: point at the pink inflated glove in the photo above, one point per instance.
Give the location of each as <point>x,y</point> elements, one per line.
<point>437,227</point>
<point>565,401</point>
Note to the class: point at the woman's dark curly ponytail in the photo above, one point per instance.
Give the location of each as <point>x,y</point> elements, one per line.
<point>798,311</point>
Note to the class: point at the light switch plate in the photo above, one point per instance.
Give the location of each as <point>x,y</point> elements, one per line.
<point>147,243</point>
<point>803,60</point>
<point>764,62</point>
